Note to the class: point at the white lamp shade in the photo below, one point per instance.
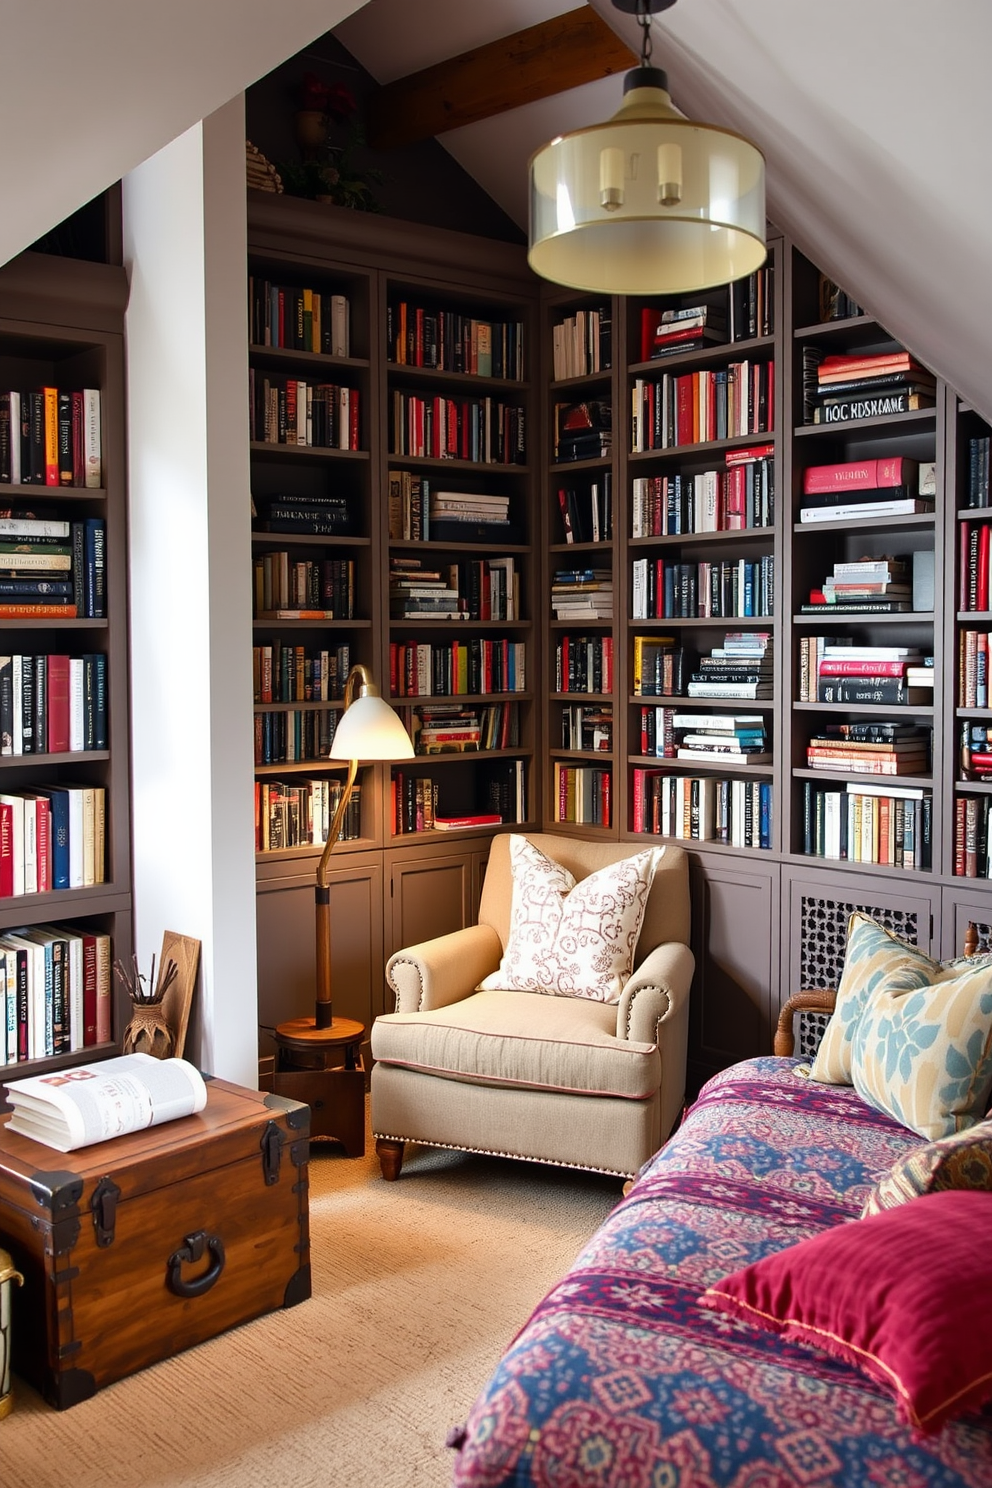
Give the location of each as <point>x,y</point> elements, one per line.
<point>650,241</point>
<point>370,730</point>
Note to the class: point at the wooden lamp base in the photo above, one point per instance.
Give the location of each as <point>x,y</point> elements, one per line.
<point>306,1071</point>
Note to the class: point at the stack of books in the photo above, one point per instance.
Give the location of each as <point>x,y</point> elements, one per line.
<point>867,386</point>
<point>446,728</point>
<point>467,516</point>
<point>52,568</point>
<point>737,740</point>
<point>672,331</point>
<point>894,487</point>
<point>833,673</point>
<point>976,751</point>
<point>320,515</point>
<point>420,593</point>
<point>582,594</point>
<point>583,431</point>
<point>866,585</point>
<point>740,668</point>
<point>870,749</point>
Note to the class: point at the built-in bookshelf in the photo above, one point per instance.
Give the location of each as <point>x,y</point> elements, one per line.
<point>65,863</point>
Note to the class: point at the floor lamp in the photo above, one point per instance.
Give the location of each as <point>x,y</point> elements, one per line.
<point>368,729</point>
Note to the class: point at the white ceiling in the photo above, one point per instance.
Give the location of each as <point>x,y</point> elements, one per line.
<point>873,116</point>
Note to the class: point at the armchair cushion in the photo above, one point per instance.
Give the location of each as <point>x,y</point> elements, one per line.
<point>573,939</point>
<point>517,1039</point>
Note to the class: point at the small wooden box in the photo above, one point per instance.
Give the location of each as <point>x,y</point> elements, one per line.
<point>135,1249</point>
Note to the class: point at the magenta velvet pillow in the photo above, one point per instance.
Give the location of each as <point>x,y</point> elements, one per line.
<point>905,1295</point>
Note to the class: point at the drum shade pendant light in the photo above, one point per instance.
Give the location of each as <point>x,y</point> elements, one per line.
<point>648,202</point>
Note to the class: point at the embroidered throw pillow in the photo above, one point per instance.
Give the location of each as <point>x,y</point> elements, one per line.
<point>572,939</point>
<point>963,1160</point>
<point>905,1296</point>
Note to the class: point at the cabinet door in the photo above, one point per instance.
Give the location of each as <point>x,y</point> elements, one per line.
<point>286,919</point>
<point>735,917</point>
<point>820,907</point>
<point>432,894</point>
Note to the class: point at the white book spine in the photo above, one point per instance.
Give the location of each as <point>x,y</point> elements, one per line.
<point>92,443</point>
<point>77,704</point>
<point>17,704</point>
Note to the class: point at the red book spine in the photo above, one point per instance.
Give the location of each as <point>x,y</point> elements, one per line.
<point>831,667</point>
<point>607,666</point>
<point>103,998</point>
<point>6,851</point>
<point>58,704</point>
<point>43,838</point>
<point>983,567</point>
<point>683,410</point>
<point>640,785</point>
<point>648,320</point>
<point>89,989</point>
<point>605,799</point>
<point>887,361</point>
<point>78,453</point>
<point>353,428</point>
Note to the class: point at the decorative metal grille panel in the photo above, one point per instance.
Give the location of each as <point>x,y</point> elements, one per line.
<point>984,946</point>
<point>824,935</point>
<point>810,1028</point>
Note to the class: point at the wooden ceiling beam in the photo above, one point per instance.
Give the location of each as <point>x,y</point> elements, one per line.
<point>564,52</point>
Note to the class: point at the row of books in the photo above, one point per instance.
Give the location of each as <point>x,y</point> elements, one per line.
<point>52,837</point>
<point>499,797</point>
<point>287,410</point>
<point>582,594</point>
<point>51,437</point>
<point>471,589</point>
<point>973,669</point>
<point>293,735</point>
<point>459,728</point>
<point>660,667</point>
<point>835,303</point>
<point>286,673</point>
<point>973,570</point>
<point>420,512</point>
<point>887,825</point>
<point>859,385</point>
<point>475,667</point>
<point>448,341</point>
<point>298,813</point>
<point>587,511</point>
<point>52,568</point>
<point>699,407</point>
<point>298,318</point>
<point>976,751</point>
<point>321,514</point>
<point>860,489</point>
<point>738,739</point>
<point>978,471</point>
<point>702,808</point>
<point>736,499</point>
<point>583,794</point>
<point>871,749</point>
<point>584,663</point>
<point>582,343</point>
<point>582,431</point>
<point>834,670</point>
<point>972,844</point>
<point>865,585</point>
<point>486,431</point>
<point>686,328</point>
<point>55,991</point>
<point>587,726</point>
<point>740,668</point>
<point>53,704</point>
<point>288,588</point>
<point>742,588</point>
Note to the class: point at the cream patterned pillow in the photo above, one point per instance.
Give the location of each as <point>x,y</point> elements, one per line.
<point>874,959</point>
<point>569,939</point>
<point>925,1056</point>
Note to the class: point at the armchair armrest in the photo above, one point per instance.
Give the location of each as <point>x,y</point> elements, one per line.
<point>439,972</point>
<point>816,1000</point>
<point>656,993</point>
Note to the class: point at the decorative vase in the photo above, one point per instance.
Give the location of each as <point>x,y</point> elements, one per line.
<point>148,1032</point>
<point>311,130</point>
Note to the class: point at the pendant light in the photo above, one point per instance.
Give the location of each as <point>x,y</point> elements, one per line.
<point>648,202</point>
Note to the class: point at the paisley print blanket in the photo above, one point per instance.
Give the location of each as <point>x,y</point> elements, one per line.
<point>621,1380</point>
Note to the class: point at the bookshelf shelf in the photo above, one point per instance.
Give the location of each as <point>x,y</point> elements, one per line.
<point>278,356</point>
<point>305,452</point>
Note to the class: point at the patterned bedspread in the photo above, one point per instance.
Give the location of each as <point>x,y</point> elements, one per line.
<point>621,1380</point>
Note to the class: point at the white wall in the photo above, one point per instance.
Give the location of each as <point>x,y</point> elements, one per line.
<point>190,561</point>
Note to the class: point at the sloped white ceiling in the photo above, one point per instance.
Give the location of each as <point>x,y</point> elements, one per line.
<point>90,88</point>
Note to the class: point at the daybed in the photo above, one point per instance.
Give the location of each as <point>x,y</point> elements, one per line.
<point>623,1378</point>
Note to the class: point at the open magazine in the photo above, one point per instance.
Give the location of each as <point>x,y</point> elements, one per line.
<point>94,1102</point>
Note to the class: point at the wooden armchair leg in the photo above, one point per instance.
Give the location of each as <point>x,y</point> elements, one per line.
<point>390,1155</point>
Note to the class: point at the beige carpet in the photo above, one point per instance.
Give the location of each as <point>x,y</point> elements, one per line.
<point>418,1286</point>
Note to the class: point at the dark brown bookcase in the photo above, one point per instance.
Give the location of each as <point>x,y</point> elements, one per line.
<point>61,324</point>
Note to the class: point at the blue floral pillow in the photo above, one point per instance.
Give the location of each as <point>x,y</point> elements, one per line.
<point>924,1056</point>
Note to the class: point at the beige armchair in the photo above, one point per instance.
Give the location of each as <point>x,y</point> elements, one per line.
<point>549,1079</point>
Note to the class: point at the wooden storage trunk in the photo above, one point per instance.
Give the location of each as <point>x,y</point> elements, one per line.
<point>135,1249</point>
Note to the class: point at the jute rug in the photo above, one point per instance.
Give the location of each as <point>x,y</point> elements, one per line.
<point>418,1287</point>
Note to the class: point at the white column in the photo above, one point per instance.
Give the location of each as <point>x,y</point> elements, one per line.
<point>190,562</point>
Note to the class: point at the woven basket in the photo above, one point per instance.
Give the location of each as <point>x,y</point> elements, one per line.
<point>262,174</point>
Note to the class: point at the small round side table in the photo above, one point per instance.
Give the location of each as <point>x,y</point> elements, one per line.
<point>306,1070</point>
